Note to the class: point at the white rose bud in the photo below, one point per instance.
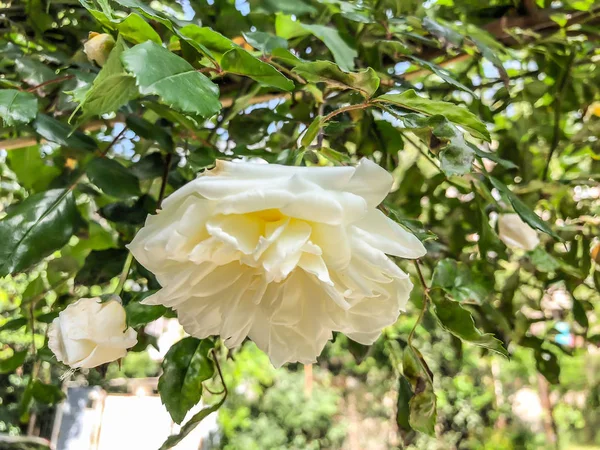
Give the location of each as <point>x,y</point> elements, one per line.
<point>98,47</point>
<point>88,333</point>
<point>516,233</point>
<point>282,255</point>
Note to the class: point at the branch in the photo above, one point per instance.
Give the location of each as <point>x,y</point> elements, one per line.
<point>557,105</point>
<point>46,83</point>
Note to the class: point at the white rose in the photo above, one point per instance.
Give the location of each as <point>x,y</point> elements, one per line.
<point>516,233</point>
<point>88,333</point>
<point>283,255</point>
<point>98,47</point>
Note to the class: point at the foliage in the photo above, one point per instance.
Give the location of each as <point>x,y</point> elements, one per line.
<point>475,109</point>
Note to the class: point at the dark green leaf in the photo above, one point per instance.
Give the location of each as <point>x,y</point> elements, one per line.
<point>17,107</point>
<point>113,178</point>
<point>239,61</point>
<point>101,266</point>
<point>579,313</point>
<point>33,170</point>
<point>47,393</point>
<point>547,363</point>
<point>55,131</point>
<point>139,314</point>
<point>190,425</point>
<point>14,324</point>
<point>365,81</point>
<point>172,78</point>
<point>458,321</point>
<point>443,33</point>
<point>526,213</point>
<point>130,213</point>
<point>185,367</point>
<point>150,131</point>
<point>444,74</point>
<point>457,114</point>
<point>35,228</point>
<point>311,132</point>
<point>460,281</point>
<point>423,411</point>
<point>405,394</point>
<point>11,364</point>
<point>265,42</point>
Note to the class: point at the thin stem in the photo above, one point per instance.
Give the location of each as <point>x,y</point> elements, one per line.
<point>287,71</point>
<point>124,273</point>
<point>163,184</point>
<point>216,360</point>
<point>113,142</point>
<point>425,302</point>
<point>46,83</point>
<point>345,109</point>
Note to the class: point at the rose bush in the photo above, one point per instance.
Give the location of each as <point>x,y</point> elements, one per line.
<point>88,333</point>
<point>284,255</point>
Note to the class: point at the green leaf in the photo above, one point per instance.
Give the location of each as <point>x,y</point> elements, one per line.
<point>150,166</point>
<point>444,74</point>
<point>185,367</point>
<point>172,78</point>
<point>35,228</point>
<point>13,363</point>
<point>14,324</point>
<point>101,266</point>
<point>492,156</point>
<point>265,42</point>
<point>423,411</point>
<point>135,29</point>
<point>547,364</point>
<point>343,54</point>
<point>207,41</point>
<point>579,313</point>
<point>239,61</point>
<point>139,314</point>
<point>458,321</point>
<point>55,131</point>
<point>285,56</point>
<point>17,107</point>
<point>460,281</point>
<point>359,351</point>
<point>365,81</point>
<point>33,171</point>
<point>457,114</point>
<point>172,441</point>
<point>112,88</point>
<point>311,132</point>
<point>47,393</point>
<point>405,395</point>
<point>443,33</point>
<point>526,213</point>
<point>33,72</point>
<point>113,178</point>
<point>150,131</point>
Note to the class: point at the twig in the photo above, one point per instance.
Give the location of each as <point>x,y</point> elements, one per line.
<point>46,83</point>
<point>425,303</point>
<point>345,109</point>
<point>113,142</point>
<point>124,273</point>
<point>216,360</point>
